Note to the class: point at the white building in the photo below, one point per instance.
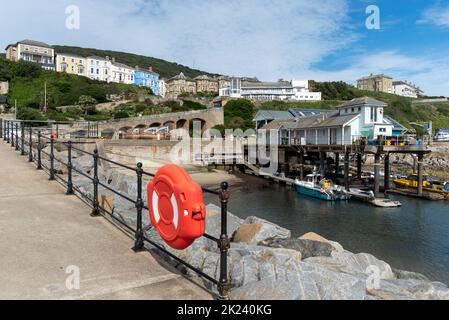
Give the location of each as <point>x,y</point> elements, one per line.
<point>4,87</point>
<point>295,90</point>
<point>406,89</point>
<point>121,73</point>
<point>99,68</point>
<point>355,119</point>
<point>162,88</point>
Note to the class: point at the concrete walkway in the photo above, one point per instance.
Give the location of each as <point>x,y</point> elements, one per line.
<point>43,232</point>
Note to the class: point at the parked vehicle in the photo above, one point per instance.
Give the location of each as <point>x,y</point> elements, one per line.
<point>442,135</point>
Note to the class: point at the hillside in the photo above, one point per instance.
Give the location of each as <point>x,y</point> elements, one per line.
<point>400,108</point>
<point>165,69</point>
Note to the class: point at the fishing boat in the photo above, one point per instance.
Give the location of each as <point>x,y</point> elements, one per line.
<point>432,186</point>
<point>316,186</point>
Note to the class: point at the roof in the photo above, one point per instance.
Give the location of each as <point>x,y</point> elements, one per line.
<point>203,77</point>
<point>31,43</point>
<point>262,85</point>
<point>363,101</point>
<point>69,55</point>
<point>330,119</point>
<point>301,113</point>
<point>273,115</point>
<point>97,58</point>
<point>180,76</point>
<point>372,76</point>
<point>121,65</point>
<point>146,71</point>
<point>399,82</point>
<point>396,125</point>
<point>277,124</point>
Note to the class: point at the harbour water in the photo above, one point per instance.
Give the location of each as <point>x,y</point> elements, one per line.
<point>413,237</point>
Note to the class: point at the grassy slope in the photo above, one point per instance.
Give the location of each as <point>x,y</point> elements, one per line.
<point>166,69</point>
<point>400,108</point>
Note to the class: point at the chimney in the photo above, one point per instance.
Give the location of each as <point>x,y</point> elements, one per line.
<point>150,68</point>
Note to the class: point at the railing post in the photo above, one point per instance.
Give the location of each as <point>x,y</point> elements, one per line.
<point>30,153</point>
<point>96,205</point>
<point>17,136</point>
<point>39,151</point>
<point>22,138</point>
<point>139,244</point>
<point>12,134</point>
<point>52,159</point>
<point>224,243</point>
<point>69,169</point>
<point>8,132</point>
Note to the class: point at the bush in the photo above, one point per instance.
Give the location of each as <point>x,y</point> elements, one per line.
<point>24,113</point>
<point>121,114</point>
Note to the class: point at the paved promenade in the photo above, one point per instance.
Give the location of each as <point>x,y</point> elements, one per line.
<point>43,232</point>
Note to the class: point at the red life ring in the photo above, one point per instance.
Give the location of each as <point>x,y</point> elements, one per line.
<point>177,208</point>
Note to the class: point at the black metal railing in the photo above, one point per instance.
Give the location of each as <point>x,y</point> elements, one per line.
<point>33,145</point>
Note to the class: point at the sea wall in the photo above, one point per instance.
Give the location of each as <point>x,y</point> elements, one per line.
<point>265,262</point>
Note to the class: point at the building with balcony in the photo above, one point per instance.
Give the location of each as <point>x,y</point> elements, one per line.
<point>377,83</point>
<point>295,90</point>
<point>99,68</point>
<point>406,89</point>
<point>32,51</point>
<point>72,64</point>
<point>147,78</point>
<point>121,73</point>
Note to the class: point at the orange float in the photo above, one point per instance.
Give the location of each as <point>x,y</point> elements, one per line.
<point>177,208</point>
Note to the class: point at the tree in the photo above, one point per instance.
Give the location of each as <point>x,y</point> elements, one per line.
<point>239,114</point>
<point>87,104</point>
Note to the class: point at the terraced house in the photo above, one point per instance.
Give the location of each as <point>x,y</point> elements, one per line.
<point>206,84</point>
<point>147,78</point>
<point>121,73</point>
<point>71,63</point>
<point>180,84</point>
<point>32,51</point>
<point>99,68</point>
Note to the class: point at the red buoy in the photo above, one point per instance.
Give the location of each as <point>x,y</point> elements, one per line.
<point>177,208</point>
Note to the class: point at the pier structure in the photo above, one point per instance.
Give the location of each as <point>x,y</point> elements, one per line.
<point>355,152</point>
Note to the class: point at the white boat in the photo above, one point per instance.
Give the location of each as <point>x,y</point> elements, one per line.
<point>368,196</point>
<point>442,135</point>
<point>318,187</point>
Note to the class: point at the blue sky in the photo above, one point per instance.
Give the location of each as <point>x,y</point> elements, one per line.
<point>270,39</point>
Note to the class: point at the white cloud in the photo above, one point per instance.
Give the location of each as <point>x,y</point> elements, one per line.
<point>264,38</point>
<point>437,15</point>
<point>431,73</point>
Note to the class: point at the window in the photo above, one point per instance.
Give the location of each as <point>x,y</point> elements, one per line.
<point>63,59</point>
<point>352,110</point>
<point>73,60</point>
<point>91,70</point>
<point>98,71</point>
<point>73,68</point>
<point>80,70</point>
<point>383,130</point>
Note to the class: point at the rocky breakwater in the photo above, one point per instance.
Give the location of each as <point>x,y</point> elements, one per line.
<point>265,262</point>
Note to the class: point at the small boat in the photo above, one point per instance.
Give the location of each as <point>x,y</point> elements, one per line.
<point>368,196</point>
<point>442,135</point>
<point>432,186</point>
<point>385,203</point>
<point>318,187</point>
